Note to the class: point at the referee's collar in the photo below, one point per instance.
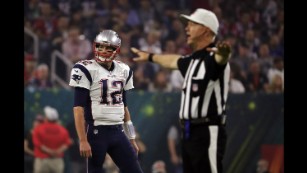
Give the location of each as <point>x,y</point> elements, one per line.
<point>203,51</point>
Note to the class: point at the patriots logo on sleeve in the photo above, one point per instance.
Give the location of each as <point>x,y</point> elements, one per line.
<point>76,78</point>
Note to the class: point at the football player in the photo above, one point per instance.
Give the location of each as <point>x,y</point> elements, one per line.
<point>102,119</point>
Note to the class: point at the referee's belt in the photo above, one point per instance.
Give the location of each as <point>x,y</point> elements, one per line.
<point>215,120</point>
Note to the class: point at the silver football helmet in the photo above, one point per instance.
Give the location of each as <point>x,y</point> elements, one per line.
<point>110,39</point>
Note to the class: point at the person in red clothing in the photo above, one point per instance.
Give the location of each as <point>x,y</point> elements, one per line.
<point>50,141</point>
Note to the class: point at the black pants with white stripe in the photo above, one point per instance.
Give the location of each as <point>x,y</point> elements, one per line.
<point>111,139</point>
<point>203,149</point>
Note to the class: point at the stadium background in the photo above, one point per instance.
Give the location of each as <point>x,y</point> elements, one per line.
<point>256,117</point>
<point>255,124</point>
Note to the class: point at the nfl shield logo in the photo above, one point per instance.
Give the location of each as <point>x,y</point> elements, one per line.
<point>194,87</point>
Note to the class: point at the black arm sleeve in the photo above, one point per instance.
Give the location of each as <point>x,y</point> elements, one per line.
<point>217,69</point>
<point>81,96</point>
<point>183,64</point>
<point>124,98</point>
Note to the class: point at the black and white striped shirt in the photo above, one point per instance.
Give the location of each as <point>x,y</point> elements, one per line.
<point>205,87</point>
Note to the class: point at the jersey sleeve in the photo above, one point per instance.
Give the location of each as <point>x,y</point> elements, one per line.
<point>129,81</point>
<point>183,64</point>
<point>80,77</point>
<point>216,68</point>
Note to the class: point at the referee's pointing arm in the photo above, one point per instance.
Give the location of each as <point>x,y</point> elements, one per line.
<point>165,60</point>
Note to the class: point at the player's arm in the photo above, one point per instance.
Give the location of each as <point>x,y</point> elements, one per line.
<point>172,150</point>
<point>81,95</point>
<point>129,129</point>
<point>80,122</point>
<point>172,146</point>
<point>128,125</point>
<point>165,60</point>
<point>127,116</point>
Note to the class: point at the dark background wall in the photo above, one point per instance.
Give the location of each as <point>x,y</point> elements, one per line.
<point>254,122</point>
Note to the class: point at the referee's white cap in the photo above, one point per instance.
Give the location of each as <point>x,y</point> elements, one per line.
<point>51,113</point>
<point>204,17</point>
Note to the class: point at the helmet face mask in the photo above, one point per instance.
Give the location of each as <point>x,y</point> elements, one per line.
<point>106,46</point>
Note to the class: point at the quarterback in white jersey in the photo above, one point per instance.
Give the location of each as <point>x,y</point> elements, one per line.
<point>101,115</point>
<point>106,88</point>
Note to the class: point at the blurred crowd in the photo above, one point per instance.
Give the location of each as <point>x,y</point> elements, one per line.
<point>255,29</point>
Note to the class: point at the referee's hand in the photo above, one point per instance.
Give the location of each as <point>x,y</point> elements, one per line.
<point>222,48</point>
<point>142,56</point>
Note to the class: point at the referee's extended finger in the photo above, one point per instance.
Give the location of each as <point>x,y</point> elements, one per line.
<point>135,50</point>
<point>141,57</point>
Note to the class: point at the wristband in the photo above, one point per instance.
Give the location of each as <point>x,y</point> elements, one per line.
<point>129,129</point>
<point>150,57</point>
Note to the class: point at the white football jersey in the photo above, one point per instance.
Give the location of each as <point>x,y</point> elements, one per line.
<point>106,106</point>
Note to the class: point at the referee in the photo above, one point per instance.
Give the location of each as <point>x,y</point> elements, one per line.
<point>204,92</point>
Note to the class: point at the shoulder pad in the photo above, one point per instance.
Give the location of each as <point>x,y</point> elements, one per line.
<point>121,64</point>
